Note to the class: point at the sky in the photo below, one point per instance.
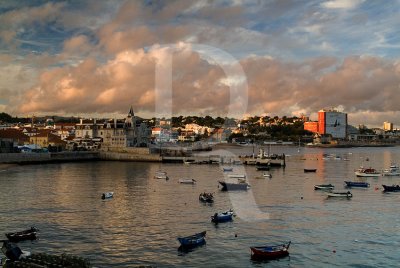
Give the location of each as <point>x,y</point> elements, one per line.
<point>230,58</point>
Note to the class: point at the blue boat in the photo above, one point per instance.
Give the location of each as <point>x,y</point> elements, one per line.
<point>193,240</point>
<point>222,217</point>
<point>356,184</point>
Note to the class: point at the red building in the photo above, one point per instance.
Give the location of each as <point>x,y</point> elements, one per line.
<point>311,126</point>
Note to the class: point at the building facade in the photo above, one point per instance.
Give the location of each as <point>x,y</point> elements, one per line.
<point>330,122</point>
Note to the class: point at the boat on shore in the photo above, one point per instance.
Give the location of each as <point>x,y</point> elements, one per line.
<point>206,197</point>
<point>28,234</point>
<point>391,188</point>
<point>270,252</point>
<point>310,170</point>
<point>324,187</point>
<point>192,241</point>
<point>347,194</point>
<point>227,186</point>
<point>107,195</point>
<point>187,181</point>
<point>222,217</point>
<point>357,184</point>
<point>367,172</point>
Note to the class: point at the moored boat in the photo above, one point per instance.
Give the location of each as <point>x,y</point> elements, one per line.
<point>262,167</point>
<point>29,234</point>
<point>206,197</point>
<point>192,241</point>
<point>325,187</point>
<point>391,188</point>
<point>226,186</point>
<point>367,172</point>
<point>161,175</point>
<point>347,194</point>
<point>222,217</point>
<point>267,175</point>
<point>239,176</point>
<point>310,170</point>
<point>227,169</point>
<point>187,181</point>
<point>270,252</point>
<point>107,195</point>
<point>357,184</point>
<point>393,170</point>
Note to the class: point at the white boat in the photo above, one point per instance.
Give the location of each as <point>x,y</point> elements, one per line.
<point>161,175</point>
<point>107,195</point>
<point>187,181</point>
<point>240,176</point>
<point>347,194</point>
<point>393,170</point>
<point>367,172</point>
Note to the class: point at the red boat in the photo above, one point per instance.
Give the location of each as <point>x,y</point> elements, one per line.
<point>270,252</point>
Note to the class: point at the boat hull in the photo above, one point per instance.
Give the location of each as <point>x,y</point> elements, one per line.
<point>362,174</point>
<point>340,195</point>
<point>269,252</point>
<point>324,187</point>
<point>233,186</point>
<point>357,184</point>
<point>29,234</point>
<point>391,188</point>
<point>310,170</point>
<point>193,240</point>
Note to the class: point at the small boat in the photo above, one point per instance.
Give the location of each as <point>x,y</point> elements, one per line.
<point>393,188</point>
<point>356,184</point>
<point>107,195</point>
<point>193,240</point>
<point>187,181</point>
<point>227,169</point>
<point>161,175</point>
<point>29,234</point>
<point>263,167</point>
<point>267,175</point>
<point>347,194</point>
<point>270,252</point>
<point>393,170</point>
<point>310,170</point>
<point>240,176</point>
<point>226,186</point>
<point>206,197</point>
<point>189,161</point>
<point>324,187</point>
<point>222,217</point>
<point>367,172</point>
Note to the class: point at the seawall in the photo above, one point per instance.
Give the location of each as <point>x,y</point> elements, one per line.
<point>31,158</point>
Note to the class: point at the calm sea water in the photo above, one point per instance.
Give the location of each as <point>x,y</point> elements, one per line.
<point>139,226</point>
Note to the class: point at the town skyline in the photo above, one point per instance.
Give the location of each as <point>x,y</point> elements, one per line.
<point>94,59</point>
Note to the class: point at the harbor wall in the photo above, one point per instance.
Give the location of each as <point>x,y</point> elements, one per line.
<point>27,158</point>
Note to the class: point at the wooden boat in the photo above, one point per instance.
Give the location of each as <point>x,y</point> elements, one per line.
<point>393,188</point>
<point>222,217</point>
<point>29,234</point>
<point>226,186</point>
<point>310,170</point>
<point>347,194</point>
<point>239,176</point>
<point>161,175</point>
<point>107,195</point>
<point>367,172</point>
<point>324,187</point>
<point>356,184</point>
<point>187,181</point>
<point>206,197</point>
<point>267,175</point>
<point>193,240</point>
<point>227,169</point>
<point>270,252</point>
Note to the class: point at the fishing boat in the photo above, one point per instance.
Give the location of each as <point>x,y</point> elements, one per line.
<point>267,175</point>
<point>187,181</point>
<point>29,234</point>
<point>222,217</point>
<point>324,187</point>
<point>347,194</point>
<point>239,176</point>
<point>193,240</point>
<point>367,172</point>
<point>392,188</point>
<point>310,170</point>
<point>206,197</point>
<point>227,169</point>
<point>393,170</point>
<point>107,195</point>
<point>270,252</point>
<point>161,175</point>
<point>357,184</point>
<point>226,186</point>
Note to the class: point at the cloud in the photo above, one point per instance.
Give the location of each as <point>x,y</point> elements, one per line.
<point>342,4</point>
